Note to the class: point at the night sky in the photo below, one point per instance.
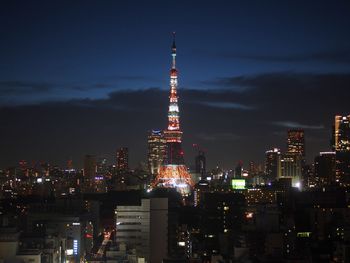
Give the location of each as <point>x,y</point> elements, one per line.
<point>87,77</point>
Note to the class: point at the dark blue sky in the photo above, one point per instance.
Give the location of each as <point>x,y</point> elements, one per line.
<point>262,66</point>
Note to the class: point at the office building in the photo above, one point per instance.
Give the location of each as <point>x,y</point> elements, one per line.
<point>123,159</point>
<point>342,134</point>
<point>325,168</point>
<point>156,151</point>
<point>291,167</point>
<point>90,166</point>
<point>200,164</point>
<point>144,228</point>
<point>273,164</point>
<point>341,145</point>
<point>296,142</point>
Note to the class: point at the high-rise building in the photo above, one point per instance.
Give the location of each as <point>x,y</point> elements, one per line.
<point>341,138</point>
<point>293,161</point>
<point>273,163</point>
<point>173,172</point>
<point>156,151</point>
<point>252,170</point>
<point>325,168</point>
<point>296,142</point>
<point>239,169</point>
<point>342,133</point>
<point>291,167</point>
<point>144,228</point>
<point>90,166</point>
<point>200,164</point>
<point>102,167</point>
<point>123,159</point>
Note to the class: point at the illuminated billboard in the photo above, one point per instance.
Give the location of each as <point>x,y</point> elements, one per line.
<point>238,183</point>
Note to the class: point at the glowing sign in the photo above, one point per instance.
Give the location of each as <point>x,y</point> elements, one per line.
<point>303,234</point>
<point>75,247</point>
<point>238,183</point>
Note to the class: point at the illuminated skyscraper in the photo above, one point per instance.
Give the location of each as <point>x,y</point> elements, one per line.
<point>123,159</point>
<point>156,151</point>
<point>342,133</point>
<point>296,142</point>
<point>341,138</point>
<point>291,167</point>
<point>293,161</point>
<point>173,172</point>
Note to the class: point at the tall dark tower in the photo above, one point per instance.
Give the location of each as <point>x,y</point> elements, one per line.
<point>173,172</point>
<point>200,164</point>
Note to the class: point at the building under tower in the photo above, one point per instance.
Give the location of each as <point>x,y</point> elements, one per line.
<point>173,172</point>
<point>156,151</point>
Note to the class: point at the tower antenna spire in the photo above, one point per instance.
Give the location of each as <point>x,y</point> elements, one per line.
<point>174,38</point>
<point>173,51</point>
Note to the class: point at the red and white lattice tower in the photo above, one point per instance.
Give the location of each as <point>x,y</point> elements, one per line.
<point>173,172</point>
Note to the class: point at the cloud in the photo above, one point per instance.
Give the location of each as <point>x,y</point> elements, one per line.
<point>285,80</point>
<point>227,105</point>
<point>138,78</point>
<point>24,87</point>
<point>91,86</point>
<point>296,125</point>
<point>122,118</point>
<point>327,56</point>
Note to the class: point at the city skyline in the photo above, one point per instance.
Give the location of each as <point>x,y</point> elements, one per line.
<point>174,131</point>
<point>67,91</point>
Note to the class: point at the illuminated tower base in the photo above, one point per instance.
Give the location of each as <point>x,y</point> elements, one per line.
<point>175,176</point>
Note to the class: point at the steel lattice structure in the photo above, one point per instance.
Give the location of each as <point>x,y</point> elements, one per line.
<point>173,172</point>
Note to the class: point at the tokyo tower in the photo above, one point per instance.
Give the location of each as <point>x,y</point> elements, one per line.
<point>173,172</point>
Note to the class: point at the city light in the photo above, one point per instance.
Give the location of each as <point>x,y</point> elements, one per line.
<point>249,215</point>
<point>238,184</point>
<point>75,247</point>
<point>237,151</point>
